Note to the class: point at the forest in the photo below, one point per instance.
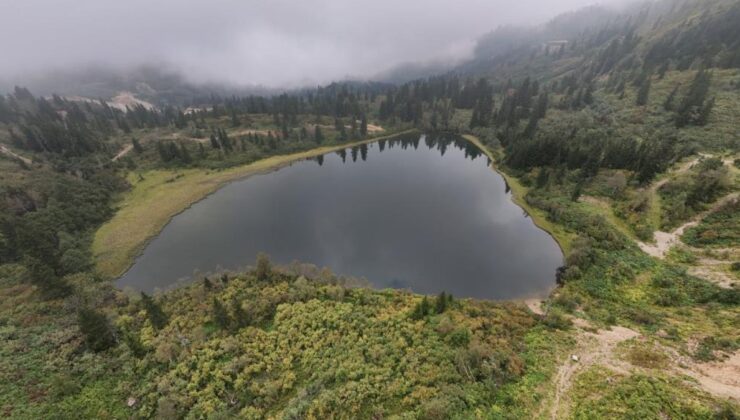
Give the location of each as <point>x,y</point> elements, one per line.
<point>623,134</point>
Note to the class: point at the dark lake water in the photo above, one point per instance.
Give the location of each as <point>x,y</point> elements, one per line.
<point>422,213</point>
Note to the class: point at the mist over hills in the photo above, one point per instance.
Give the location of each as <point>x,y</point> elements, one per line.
<point>613,130</point>
<point>168,85</point>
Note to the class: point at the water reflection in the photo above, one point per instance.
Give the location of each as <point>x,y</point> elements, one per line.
<point>418,212</point>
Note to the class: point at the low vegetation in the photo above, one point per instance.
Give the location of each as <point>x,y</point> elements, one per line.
<point>604,142</point>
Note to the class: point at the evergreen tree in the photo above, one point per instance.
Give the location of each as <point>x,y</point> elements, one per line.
<point>669,101</point>
<point>241,318</point>
<point>690,109</point>
<point>644,92</point>
<point>363,126</point>
<point>214,142</point>
<point>542,178</point>
<point>137,146</point>
<point>185,154</point>
<point>154,312</point>
<point>317,136</point>
<point>96,328</point>
<point>220,315</point>
<point>421,309</point>
<point>263,271</point>
<point>441,304</point>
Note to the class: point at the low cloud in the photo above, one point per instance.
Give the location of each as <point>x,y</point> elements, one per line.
<point>252,42</point>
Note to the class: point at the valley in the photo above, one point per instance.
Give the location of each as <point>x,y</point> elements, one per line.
<point>549,229</point>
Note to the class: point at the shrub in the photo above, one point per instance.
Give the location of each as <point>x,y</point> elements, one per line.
<point>555,320</point>
<point>98,332</point>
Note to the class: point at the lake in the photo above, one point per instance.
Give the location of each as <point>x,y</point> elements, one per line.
<point>425,213</point>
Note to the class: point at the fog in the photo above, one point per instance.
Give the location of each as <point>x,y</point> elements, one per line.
<point>252,42</point>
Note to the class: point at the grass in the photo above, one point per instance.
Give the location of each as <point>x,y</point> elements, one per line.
<point>518,192</point>
<point>600,393</point>
<point>158,195</point>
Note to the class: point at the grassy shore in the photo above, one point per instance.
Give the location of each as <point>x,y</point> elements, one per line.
<point>158,195</point>
<point>518,191</point>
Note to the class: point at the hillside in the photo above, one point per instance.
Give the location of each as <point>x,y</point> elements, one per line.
<point>617,132</point>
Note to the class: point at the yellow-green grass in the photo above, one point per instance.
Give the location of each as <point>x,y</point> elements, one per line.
<point>158,195</point>
<point>604,209</point>
<point>518,192</point>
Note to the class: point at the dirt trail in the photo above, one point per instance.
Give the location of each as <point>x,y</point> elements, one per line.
<point>591,349</point>
<point>123,152</point>
<point>4,150</point>
<point>712,273</point>
<point>664,241</point>
<point>681,169</point>
<point>719,378</point>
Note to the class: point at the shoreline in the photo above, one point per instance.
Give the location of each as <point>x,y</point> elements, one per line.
<point>518,191</point>
<point>114,257</point>
<point>120,241</point>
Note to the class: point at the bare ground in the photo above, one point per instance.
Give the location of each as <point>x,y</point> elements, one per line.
<point>664,241</point>
<point>591,349</point>
<point>708,270</point>
<point>720,378</point>
<point>127,99</point>
<point>123,152</point>
<point>4,150</point>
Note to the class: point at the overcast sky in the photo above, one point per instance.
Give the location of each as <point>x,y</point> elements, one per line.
<point>253,42</point>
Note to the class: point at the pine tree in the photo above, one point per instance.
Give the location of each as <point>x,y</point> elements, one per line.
<point>542,178</point>
<point>644,92</point>
<point>690,109</point>
<point>263,271</point>
<point>241,318</point>
<point>98,332</point>
<point>441,303</point>
<point>421,309</point>
<point>137,146</point>
<point>317,136</point>
<point>220,315</point>
<point>185,154</point>
<point>669,101</point>
<point>363,126</point>
<point>214,142</point>
<point>154,312</point>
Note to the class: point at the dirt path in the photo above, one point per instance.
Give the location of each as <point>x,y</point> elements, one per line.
<point>714,274</point>
<point>718,378</point>
<point>721,378</point>
<point>4,150</point>
<point>681,169</point>
<point>591,349</point>
<point>123,152</point>
<point>664,241</point>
